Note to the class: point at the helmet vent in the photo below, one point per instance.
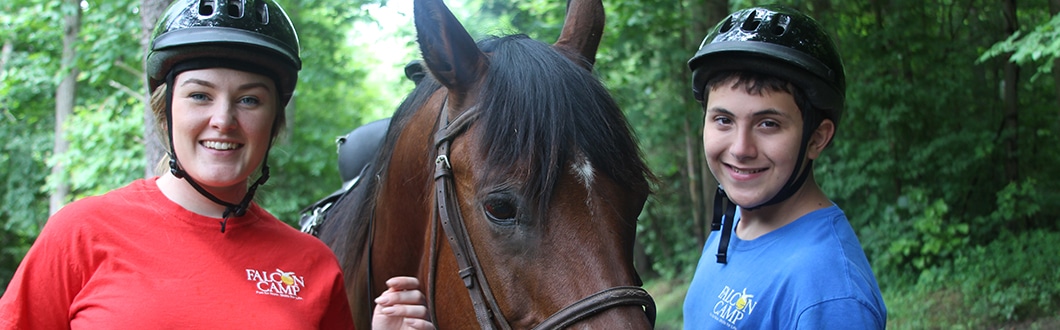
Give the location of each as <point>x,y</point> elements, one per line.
<point>206,7</point>
<point>235,9</point>
<point>752,22</point>
<point>726,26</point>
<point>261,12</point>
<point>780,24</point>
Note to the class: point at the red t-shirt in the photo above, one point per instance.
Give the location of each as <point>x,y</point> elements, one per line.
<point>133,259</point>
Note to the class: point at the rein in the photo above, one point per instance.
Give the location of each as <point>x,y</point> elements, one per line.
<point>487,312</point>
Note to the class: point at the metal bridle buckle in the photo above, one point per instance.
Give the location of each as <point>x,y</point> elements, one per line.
<point>443,159</point>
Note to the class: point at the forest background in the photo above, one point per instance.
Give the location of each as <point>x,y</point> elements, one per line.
<point>945,161</point>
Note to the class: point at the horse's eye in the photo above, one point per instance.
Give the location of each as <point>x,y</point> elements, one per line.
<point>500,210</point>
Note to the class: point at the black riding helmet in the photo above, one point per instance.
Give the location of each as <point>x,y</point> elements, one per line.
<point>248,35</point>
<point>778,41</point>
<point>775,40</point>
<point>255,32</point>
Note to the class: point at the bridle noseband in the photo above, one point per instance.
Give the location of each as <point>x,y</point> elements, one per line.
<point>487,311</point>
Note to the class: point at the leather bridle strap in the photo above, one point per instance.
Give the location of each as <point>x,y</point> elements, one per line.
<point>486,310</point>
<point>599,302</point>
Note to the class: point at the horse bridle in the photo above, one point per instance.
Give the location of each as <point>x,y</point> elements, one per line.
<point>487,311</point>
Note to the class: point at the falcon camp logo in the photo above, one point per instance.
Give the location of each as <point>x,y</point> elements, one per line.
<point>733,306</point>
<point>278,283</point>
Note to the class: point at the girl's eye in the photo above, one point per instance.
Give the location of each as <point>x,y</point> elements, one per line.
<point>252,101</point>
<point>722,120</point>
<point>770,124</point>
<point>199,97</point>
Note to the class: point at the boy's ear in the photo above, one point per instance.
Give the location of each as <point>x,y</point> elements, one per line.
<point>820,139</point>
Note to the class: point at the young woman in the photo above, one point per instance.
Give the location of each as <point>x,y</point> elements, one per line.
<point>190,248</point>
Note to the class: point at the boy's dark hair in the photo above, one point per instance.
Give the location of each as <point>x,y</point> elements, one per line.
<point>755,83</point>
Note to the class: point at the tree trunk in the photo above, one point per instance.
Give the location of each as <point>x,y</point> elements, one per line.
<point>291,109</point>
<point>150,10</point>
<point>704,15</point>
<point>1054,8</point>
<point>65,97</point>
<point>693,187</point>
<point>1011,100</point>
<point>642,261</point>
<point>5,54</point>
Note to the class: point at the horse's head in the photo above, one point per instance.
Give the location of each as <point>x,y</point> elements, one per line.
<point>540,165</point>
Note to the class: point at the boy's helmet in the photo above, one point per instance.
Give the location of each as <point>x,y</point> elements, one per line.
<point>775,40</point>
<point>257,33</point>
<point>778,41</point>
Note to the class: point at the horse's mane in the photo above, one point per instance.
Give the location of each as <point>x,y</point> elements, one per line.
<point>537,111</point>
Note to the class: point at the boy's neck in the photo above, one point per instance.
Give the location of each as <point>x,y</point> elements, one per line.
<point>761,221</point>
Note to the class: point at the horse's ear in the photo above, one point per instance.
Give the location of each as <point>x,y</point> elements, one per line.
<point>582,30</point>
<point>448,50</point>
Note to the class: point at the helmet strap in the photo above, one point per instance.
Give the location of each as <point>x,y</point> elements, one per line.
<point>723,205</point>
<point>175,168</point>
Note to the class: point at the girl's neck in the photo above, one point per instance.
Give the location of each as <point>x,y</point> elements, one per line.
<point>181,192</point>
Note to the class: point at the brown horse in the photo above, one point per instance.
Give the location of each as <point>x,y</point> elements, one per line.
<point>509,183</point>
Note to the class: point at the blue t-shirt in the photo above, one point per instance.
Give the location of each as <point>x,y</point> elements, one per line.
<point>808,274</point>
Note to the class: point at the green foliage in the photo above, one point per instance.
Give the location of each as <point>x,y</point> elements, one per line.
<point>106,146</point>
<point>641,59</point>
<point>669,296</point>
<point>932,238</point>
<point>27,87</point>
<point>22,173</point>
<point>1013,278</point>
<point>1041,45</point>
<point>923,307</point>
<point>1016,204</point>
<point>333,97</point>
<point>1009,281</point>
<point>916,161</point>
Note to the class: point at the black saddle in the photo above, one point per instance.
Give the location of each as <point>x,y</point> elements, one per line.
<point>356,149</point>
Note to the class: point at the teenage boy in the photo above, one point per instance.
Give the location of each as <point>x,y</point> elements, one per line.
<point>772,87</point>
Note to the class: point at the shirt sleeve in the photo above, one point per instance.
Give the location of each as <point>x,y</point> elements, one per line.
<point>337,315</point>
<point>40,294</point>
<point>846,313</point>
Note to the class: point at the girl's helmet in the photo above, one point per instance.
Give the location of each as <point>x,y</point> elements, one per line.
<point>257,33</point>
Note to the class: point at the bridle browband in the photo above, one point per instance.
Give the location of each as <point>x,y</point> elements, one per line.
<point>487,311</point>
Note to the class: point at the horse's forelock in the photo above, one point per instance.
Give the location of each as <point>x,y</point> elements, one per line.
<point>538,109</point>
